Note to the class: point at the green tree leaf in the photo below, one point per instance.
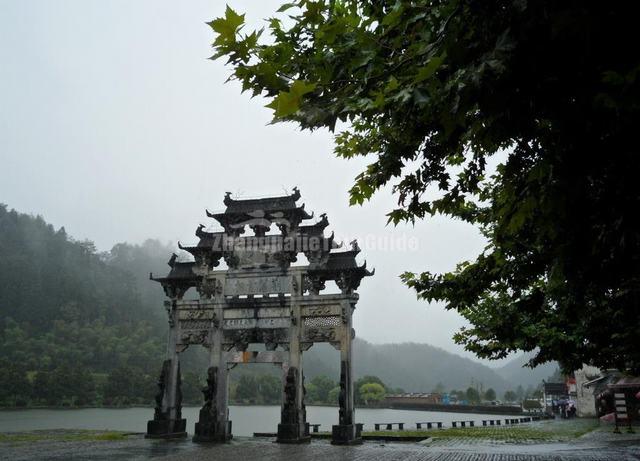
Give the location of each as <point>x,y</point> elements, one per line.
<point>227,27</point>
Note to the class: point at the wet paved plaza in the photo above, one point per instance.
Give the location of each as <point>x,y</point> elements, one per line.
<point>596,446</point>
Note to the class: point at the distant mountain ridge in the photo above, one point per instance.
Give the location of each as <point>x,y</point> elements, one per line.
<point>417,367</point>
<point>514,371</point>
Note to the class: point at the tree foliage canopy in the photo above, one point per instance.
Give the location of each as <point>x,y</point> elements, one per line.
<point>490,394</point>
<point>372,392</point>
<point>430,90</point>
<point>510,396</point>
<point>322,387</point>
<point>472,395</point>
<point>78,327</point>
<point>361,385</point>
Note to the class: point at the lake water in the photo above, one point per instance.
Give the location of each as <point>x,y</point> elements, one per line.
<point>246,419</point>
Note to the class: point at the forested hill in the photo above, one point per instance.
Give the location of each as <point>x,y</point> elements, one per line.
<point>78,326</point>
<point>47,276</point>
<point>514,371</point>
<point>412,367</point>
<point>416,367</point>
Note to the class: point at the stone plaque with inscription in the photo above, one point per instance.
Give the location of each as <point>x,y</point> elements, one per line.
<point>236,286</point>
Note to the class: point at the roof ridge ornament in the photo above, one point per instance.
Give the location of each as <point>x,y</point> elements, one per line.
<point>227,199</point>
<point>364,268</point>
<point>172,260</point>
<point>296,194</point>
<point>302,209</point>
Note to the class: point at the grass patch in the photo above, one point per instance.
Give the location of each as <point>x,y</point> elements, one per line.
<point>546,431</point>
<point>62,436</point>
<point>111,436</point>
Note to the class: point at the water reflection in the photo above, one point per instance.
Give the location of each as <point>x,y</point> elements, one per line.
<point>246,419</point>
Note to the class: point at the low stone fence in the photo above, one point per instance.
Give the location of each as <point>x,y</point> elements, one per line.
<point>417,403</point>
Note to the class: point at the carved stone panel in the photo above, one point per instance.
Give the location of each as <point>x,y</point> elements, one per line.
<point>195,314</point>
<point>188,337</point>
<point>322,310</point>
<point>190,304</point>
<point>253,323</point>
<point>194,325</point>
<point>241,338</point>
<point>266,312</point>
<point>256,252</point>
<point>321,329</point>
<point>264,285</point>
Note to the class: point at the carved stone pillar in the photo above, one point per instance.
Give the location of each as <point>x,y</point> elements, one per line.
<point>167,421</point>
<point>346,432</point>
<point>213,424</point>
<point>293,426</point>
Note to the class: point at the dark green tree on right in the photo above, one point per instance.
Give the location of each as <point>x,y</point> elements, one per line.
<point>490,394</point>
<point>472,395</point>
<point>433,92</point>
<point>510,397</point>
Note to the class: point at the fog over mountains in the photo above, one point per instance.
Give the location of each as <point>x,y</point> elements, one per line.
<point>51,285</point>
<point>421,367</point>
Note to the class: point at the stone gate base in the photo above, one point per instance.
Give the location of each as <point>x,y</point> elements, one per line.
<point>346,434</point>
<point>166,429</point>
<point>291,433</point>
<point>214,432</point>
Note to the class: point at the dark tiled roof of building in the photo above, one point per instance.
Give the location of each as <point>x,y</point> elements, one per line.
<point>261,214</point>
<point>343,261</point>
<point>287,202</point>
<point>181,272</point>
<point>208,239</point>
<point>316,229</point>
<point>210,242</point>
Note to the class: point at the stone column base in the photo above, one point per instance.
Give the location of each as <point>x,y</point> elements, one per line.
<point>214,432</point>
<point>346,434</point>
<point>166,429</point>
<point>290,433</point>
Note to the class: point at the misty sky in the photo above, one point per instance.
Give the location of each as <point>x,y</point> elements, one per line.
<point>114,124</point>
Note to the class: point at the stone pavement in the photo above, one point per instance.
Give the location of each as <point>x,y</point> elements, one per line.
<point>451,451</point>
<point>599,445</point>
